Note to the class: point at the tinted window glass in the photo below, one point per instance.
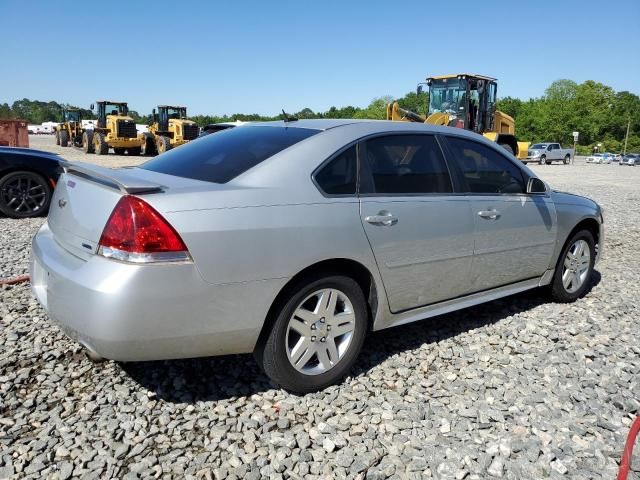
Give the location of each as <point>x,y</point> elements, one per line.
<point>484,169</point>
<point>338,177</point>
<point>221,157</point>
<point>407,164</point>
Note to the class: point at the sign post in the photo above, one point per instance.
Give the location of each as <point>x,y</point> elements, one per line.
<point>575,142</point>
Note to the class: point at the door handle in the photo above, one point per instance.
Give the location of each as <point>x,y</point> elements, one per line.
<point>491,214</point>
<point>383,218</point>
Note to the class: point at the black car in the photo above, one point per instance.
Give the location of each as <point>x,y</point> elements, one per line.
<point>27,180</point>
<point>215,127</point>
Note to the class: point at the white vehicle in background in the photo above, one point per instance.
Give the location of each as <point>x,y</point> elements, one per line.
<point>547,153</point>
<point>598,158</point>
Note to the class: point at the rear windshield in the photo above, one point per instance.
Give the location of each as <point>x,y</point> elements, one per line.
<point>222,157</point>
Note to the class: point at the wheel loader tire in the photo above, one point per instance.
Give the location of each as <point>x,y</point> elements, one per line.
<point>134,151</point>
<point>100,144</point>
<point>87,141</point>
<point>57,138</point>
<point>118,151</point>
<point>163,144</point>
<point>64,138</point>
<point>507,147</point>
<point>149,145</point>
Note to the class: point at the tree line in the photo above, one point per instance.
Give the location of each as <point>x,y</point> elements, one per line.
<point>599,113</point>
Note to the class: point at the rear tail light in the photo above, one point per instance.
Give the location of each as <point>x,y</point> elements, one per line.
<point>137,233</point>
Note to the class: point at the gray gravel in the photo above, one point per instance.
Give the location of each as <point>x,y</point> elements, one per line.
<point>518,389</point>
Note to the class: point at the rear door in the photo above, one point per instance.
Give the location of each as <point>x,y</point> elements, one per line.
<point>421,233</point>
<point>515,233</point>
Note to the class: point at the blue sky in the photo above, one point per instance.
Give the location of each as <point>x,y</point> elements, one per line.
<point>246,56</point>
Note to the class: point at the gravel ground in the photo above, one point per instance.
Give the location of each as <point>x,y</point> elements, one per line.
<point>519,388</point>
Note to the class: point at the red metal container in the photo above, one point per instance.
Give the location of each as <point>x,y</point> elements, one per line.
<point>14,133</point>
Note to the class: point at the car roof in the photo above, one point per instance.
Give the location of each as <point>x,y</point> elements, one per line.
<point>372,126</point>
<point>28,151</point>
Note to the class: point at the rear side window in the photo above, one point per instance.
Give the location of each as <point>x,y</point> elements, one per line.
<point>338,177</point>
<point>407,164</point>
<point>222,157</point>
<point>485,170</point>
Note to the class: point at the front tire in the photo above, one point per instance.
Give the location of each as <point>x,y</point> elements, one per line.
<point>24,194</point>
<point>57,138</point>
<point>64,138</point>
<point>574,268</point>
<point>100,144</point>
<point>87,141</point>
<point>162,144</point>
<point>317,335</point>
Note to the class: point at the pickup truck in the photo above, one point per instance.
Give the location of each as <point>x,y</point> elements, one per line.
<point>546,153</point>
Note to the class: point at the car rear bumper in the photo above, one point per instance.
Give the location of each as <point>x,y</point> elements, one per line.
<point>145,312</point>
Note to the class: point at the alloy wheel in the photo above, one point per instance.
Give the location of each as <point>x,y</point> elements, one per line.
<point>576,266</point>
<point>24,194</point>
<point>320,331</point>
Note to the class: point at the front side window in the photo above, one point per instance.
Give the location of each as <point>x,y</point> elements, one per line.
<point>484,170</point>
<point>407,164</point>
<point>339,176</point>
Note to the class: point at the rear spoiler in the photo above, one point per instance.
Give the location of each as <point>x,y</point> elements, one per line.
<point>119,179</point>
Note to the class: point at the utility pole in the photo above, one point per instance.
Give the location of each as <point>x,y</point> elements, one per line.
<point>626,137</point>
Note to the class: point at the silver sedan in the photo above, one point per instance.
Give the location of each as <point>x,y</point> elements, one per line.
<point>293,240</point>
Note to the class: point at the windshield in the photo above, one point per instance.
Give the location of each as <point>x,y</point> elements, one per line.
<point>447,95</point>
<point>176,113</point>
<point>115,109</point>
<point>539,146</point>
<point>222,157</point>
<point>71,116</point>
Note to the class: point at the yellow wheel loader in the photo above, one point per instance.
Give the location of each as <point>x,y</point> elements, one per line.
<point>114,129</point>
<point>70,129</point>
<point>465,101</point>
<point>170,128</point>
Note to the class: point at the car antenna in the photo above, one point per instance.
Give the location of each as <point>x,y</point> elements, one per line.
<point>288,118</point>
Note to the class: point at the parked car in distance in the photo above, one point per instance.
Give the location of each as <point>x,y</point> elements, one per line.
<point>27,180</point>
<point>617,157</point>
<point>293,240</point>
<point>547,153</point>
<point>598,158</point>
<point>632,159</point>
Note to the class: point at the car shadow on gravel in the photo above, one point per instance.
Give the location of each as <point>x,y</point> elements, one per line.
<point>219,378</point>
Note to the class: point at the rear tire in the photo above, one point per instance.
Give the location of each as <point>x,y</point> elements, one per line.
<point>574,268</point>
<point>162,144</point>
<point>326,355</point>
<point>567,159</point>
<point>64,138</point>
<point>87,141</point>
<point>149,146</point>
<point>57,138</point>
<point>100,144</point>
<point>543,159</point>
<point>24,194</point>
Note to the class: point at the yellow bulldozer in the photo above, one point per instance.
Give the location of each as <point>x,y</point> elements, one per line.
<point>465,101</point>
<point>170,128</point>
<point>70,128</point>
<point>113,129</point>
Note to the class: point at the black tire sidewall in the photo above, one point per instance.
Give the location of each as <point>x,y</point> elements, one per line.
<point>45,207</point>
<point>274,356</point>
<point>559,293</point>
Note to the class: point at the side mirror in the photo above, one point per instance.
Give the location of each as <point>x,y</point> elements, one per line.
<point>549,148</point>
<point>419,90</point>
<point>91,107</point>
<point>535,185</point>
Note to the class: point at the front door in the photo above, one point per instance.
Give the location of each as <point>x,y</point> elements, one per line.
<point>515,233</point>
<point>420,233</point>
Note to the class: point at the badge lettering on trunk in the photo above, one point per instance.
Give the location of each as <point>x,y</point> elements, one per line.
<point>62,203</point>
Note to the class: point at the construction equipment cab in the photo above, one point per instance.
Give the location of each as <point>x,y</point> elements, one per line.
<point>465,101</point>
<point>170,128</point>
<point>114,129</point>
